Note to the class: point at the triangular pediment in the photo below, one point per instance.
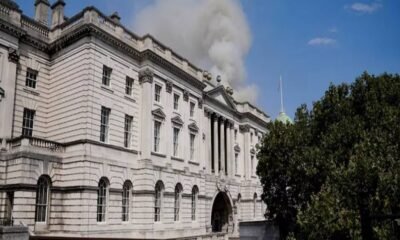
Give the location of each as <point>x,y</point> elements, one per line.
<point>177,120</point>
<point>158,113</point>
<point>219,94</point>
<point>193,127</point>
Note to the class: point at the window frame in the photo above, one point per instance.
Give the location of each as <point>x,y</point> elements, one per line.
<point>106,77</point>
<point>236,163</point>
<point>102,203</point>
<point>126,199</point>
<point>195,197</point>
<point>175,141</point>
<point>177,202</point>
<point>42,204</point>
<point>156,135</point>
<point>31,78</point>
<point>128,131</point>
<point>176,101</point>
<point>28,119</point>
<point>129,82</point>
<point>192,107</point>
<point>192,146</point>
<point>157,93</point>
<point>158,199</point>
<point>104,124</point>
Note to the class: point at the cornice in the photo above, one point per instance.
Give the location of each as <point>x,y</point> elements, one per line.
<point>11,29</point>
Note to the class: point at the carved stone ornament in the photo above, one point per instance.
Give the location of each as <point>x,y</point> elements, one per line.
<point>193,127</point>
<point>185,95</point>
<point>146,75</point>
<point>13,55</point>
<point>177,120</point>
<point>244,128</point>
<point>158,113</point>
<point>200,103</point>
<point>221,186</point>
<point>168,87</point>
<point>252,151</point>
<point>236,148</point>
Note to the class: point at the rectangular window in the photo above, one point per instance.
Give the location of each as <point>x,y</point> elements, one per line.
<point>104,122</point>
<point>192,105</point>
<point>176,101</point>
<point>128,131</point>
<point>192,142</point>
<point>157,93</point>
<point>128,86</point>
<point>176,142</point>
<point>251,137</point>
<point>31,76</point>
<point>106,75</point>
<point>157,128</point>
<point>236,163</point>
<point>27,122</point>
<point>8,216</point>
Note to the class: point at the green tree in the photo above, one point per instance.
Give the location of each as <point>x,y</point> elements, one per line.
<point>343,161</point>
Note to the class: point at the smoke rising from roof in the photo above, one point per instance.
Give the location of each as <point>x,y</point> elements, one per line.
<point>212,34</point>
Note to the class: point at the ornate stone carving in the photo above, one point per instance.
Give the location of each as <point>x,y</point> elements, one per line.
<point>185,95</point>
<point>221,185</point>
<point>146,75</point>
<point>236,148</point>
<point>252,151</point>
<point>244,128</point>
<point>13,55</point>
<point>200,104</point>
<point>168,86</point>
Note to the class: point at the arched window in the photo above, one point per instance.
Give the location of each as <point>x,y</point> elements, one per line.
<point>126,196</point>
<point>159,191</point>
<point>102,194</point>
<point>195,193</point>
<point>42,198</point>
<point>177,205</point>
<point>255,204</point>
<point>238,206</point>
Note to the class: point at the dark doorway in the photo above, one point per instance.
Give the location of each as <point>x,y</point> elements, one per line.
<point>221,215</point>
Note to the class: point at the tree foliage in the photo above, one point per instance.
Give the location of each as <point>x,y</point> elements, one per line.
<point>335,172</point>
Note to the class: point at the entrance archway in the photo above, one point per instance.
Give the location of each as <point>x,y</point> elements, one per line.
<point>221,215</point>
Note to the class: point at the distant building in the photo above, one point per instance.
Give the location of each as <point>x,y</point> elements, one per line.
<point>107,134</point>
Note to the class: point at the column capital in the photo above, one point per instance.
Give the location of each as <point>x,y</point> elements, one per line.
<point>168,86</point>
<point>244,128</point>
<point>146,75</point>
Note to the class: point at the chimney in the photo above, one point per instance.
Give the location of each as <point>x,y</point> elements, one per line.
<point>42,11</point>
<point>57,16</point>
<point>115,17</point>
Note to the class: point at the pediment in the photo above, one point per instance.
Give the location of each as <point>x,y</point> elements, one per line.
<point>177,120</point>
<point>193,127</point>
<point>219,94</point>
<point>158,113</point>
<point>237,148</point>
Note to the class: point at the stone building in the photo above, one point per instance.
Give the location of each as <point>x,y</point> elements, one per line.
<point>108,134</point>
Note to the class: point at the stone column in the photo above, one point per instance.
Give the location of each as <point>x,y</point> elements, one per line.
<point>7,84</point>
<point>246,151</point>
<point>232,155</point>
<point>146,81</point>
<point>222,147</point>
<point>229,148</point>
<point>209,143</point>
<point>215,122</point>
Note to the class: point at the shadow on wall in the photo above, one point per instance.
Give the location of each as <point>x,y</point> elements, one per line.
<point>258,230</point>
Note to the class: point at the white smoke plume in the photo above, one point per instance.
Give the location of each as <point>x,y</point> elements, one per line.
<point>213,34</point>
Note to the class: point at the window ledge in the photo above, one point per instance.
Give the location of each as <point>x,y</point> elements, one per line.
<point>107,88</point>
<point>238,175</point>
<point>31,91</point>
<point>177,159</point>
<point>194,163</point>
<point>130,98</point>
<point>158,154</point>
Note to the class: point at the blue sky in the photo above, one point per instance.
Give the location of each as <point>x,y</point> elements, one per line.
<point>310,43</point>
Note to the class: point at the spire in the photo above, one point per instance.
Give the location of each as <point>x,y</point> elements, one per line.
<point>282,117</point>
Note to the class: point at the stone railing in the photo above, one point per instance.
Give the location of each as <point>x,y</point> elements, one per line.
<point>35,142</point>
<point>29,24</point>
<point>4,10</point>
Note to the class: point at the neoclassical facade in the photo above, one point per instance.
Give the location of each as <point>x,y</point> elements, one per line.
<point>104,133</point>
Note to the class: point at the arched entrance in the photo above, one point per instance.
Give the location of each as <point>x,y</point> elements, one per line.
<point>221,215</point>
